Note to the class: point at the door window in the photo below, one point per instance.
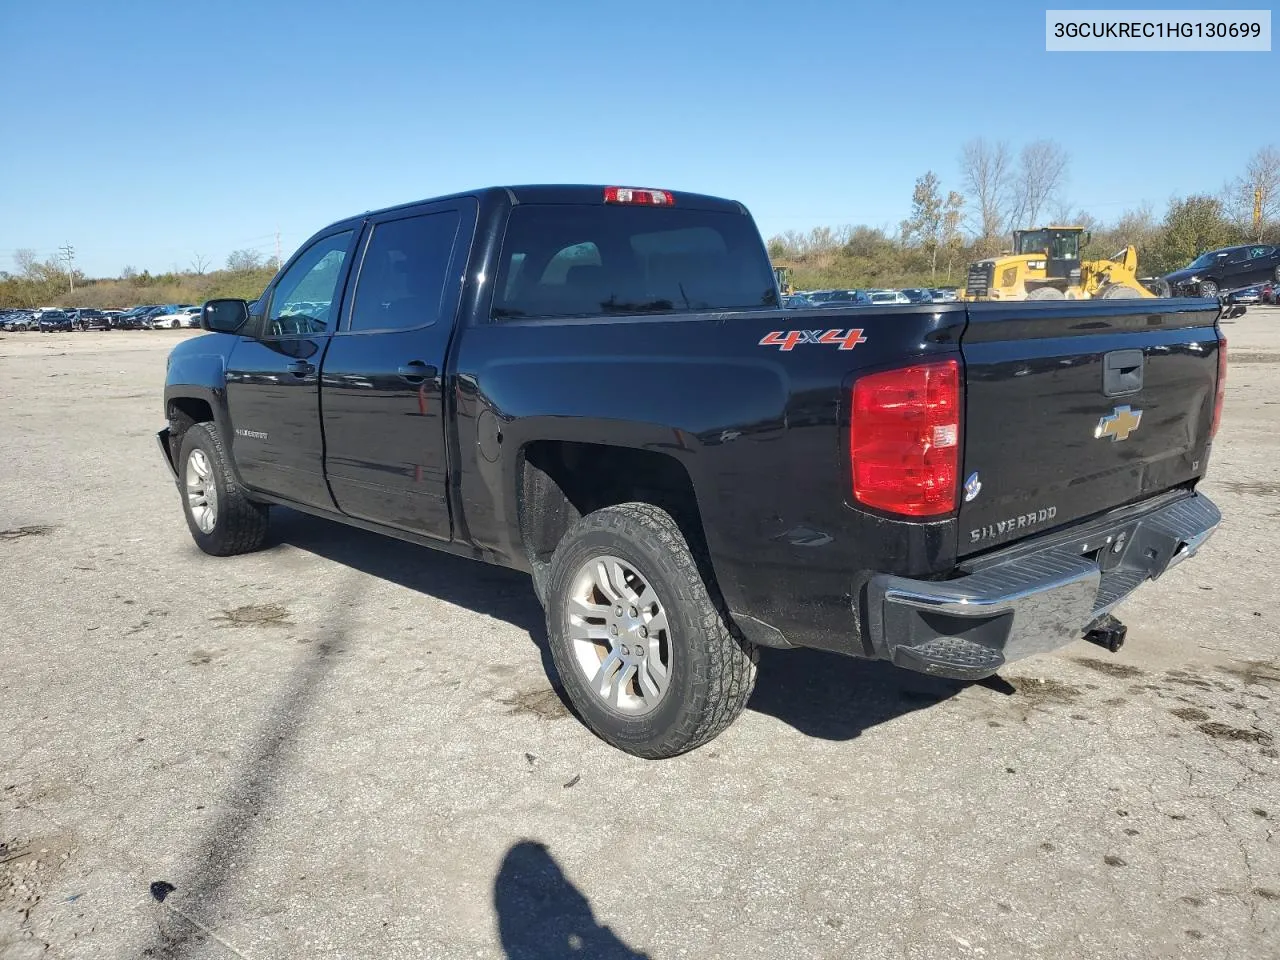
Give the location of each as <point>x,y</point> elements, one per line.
<point>404,273</point>
<point>1258,253</point>
<point>303,301</point>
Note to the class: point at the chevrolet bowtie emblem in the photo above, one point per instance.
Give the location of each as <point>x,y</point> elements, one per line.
<point>1118,424</point>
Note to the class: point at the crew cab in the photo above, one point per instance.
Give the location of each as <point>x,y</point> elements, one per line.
<point>598,386</point>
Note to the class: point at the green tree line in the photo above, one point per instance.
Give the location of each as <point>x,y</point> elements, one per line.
<point>35,283</point>
<point>1000,191</point>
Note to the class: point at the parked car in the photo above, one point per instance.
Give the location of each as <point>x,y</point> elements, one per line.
<point>53,321</point>
<point>944,295</point>
<point>1229,268</point>
<point>131,319</point>
<point>822,297</point>
<point>844,298</point>
<point>886,296</point>
<point>918,295</point>
<point>495,405</point>
<point>1247,295</point>
<point>18,320</point>
<point>176,317</point>
<point>1271,293</point>
<point>85,319</point>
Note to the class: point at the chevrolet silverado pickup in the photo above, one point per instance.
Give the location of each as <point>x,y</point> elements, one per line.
<point>598,386</point>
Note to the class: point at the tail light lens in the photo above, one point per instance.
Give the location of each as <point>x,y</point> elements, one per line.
<point>904,439</point>
<point>1222,387</point>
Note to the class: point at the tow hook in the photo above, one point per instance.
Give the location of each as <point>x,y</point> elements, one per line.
<point>1107,632</point>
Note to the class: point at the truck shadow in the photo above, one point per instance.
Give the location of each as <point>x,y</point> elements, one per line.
<point>822,695</point>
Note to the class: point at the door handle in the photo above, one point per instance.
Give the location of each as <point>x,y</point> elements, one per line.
<point>300,368</point>
<point>415,371</point>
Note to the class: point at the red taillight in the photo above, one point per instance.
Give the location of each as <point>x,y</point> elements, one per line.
<point>904,439</point>
<point>639,195</point>
<point>1222,387</point>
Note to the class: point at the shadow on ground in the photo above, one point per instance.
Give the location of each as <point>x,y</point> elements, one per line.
<point>194,897</point>
<point>822,695</point>
<point>542,916</point>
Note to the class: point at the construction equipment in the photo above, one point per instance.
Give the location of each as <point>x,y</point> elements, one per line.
<point>1045,264</point>
<point>783,276</point>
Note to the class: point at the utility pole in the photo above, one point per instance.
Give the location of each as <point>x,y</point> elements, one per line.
<point>1257,213</point>
<point>68,253</point>
<point>278,260</point>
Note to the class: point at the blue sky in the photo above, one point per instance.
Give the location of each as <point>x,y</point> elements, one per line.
<point>145,133</point>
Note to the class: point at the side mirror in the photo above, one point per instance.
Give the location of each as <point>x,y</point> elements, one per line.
<point>224,316</point>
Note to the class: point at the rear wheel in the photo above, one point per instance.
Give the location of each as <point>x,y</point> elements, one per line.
<point>645,655</point>
<point>222,519</point>
<point>1208,288</point>
<point>1046,293</point>
<point>1117,291</point>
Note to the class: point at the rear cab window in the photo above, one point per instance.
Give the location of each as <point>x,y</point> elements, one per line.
<point>561,260</point>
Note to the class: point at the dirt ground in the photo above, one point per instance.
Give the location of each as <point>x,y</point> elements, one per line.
<point>348,746</point>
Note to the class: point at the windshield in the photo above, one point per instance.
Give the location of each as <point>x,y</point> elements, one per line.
<point>1033,241</point>
<point>1057,244</point>
<point>1207,258</point>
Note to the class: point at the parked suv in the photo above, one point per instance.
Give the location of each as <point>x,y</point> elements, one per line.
<point>1227,269</point>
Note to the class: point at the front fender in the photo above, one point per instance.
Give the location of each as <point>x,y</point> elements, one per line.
<point>197,371</point>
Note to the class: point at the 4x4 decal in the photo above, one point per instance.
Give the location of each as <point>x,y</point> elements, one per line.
<point>787,340</point>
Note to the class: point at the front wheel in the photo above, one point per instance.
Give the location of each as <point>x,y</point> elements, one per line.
<point>222,519</point>
<point>645,654</point>
<point>1118,291</point>
<point>1046,293</point>
<point>1208,288</point>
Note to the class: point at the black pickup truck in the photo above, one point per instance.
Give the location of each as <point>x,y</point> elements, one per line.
<point>597,385</point>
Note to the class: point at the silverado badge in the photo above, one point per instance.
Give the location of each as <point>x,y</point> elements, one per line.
<point>1118,424</point>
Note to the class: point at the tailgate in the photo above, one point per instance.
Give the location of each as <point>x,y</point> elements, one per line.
<point>1075,408</point>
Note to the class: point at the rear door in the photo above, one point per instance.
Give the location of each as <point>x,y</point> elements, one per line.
<point>382,381</point>
<point>273,375</point>
<point>1073,409</point>
<point>1261,264</point>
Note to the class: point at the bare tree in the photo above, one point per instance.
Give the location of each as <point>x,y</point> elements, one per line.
<point>1042,170</point>
<point>244,260</point>
<point>27,264</point>
<point>1253,200</point>
<point>985,169</point>
<point>199,265</point>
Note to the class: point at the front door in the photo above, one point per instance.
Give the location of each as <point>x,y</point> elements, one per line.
<point>383,373</point>
<point>273,375</point>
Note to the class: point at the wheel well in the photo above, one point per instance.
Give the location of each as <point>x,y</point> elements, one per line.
<point>561,481</point>
<point>183,412</point>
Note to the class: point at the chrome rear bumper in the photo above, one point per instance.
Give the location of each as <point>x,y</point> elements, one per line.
<point>1035,597</point>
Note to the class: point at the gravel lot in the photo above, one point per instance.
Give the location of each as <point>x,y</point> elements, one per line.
<point>348,746</point>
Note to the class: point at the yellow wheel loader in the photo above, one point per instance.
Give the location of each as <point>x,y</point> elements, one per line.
<point>1045,265</point>
<point>783,276</point>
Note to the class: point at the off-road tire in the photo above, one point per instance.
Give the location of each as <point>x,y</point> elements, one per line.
<point>712,671</point>
<point>240,524</point>
<point>1046,293</point>
<point>1117,291</point>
